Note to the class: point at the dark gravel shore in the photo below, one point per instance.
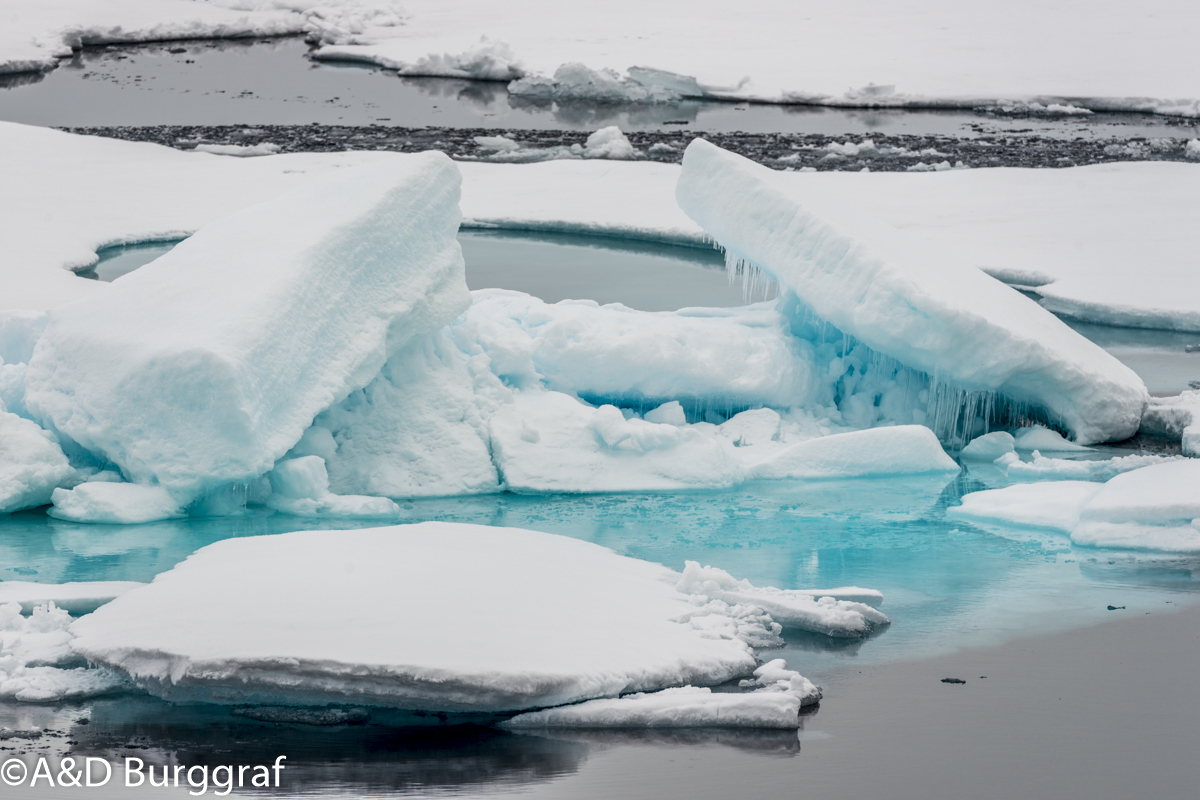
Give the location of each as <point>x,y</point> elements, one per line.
<point>894,153</point>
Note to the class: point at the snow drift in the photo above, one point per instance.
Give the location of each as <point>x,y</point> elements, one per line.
<point>206,366</point>
<point>945,319</point>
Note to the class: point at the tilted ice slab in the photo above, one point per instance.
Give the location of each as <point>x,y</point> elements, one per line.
<point>207,366</point>
<point>927,311</point>
<point>1156,507</point>
<point>433,616</point>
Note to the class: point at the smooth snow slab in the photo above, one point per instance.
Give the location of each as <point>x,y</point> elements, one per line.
<point>922,306</point>
<point>1156,507</point>
<point>893,450</point>
<point>81,597</point>
<point>207,365</point>
<point>434,616</point>
<point>1048,504</point>
<point>1116,239</point>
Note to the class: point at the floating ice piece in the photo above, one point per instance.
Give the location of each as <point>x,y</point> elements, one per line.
<point>310,618</point>
<point>79,597</point>
<point>115,503</point>
<point>989,447</point>
<point>774,676</point>
<point>32,465</point>
<point>551,442</point>
<point>1050,504</point>
<point>1065,469</point>
<point>1155,507</point>
<point>300,486</point>
<point>1039,437</point>
<point>896,450</point>
<point>239,150</point>
<point>29,649</point>
<point>682,707</point>
<point>206,366</point>
<point>789,608</point>
<point>1175,418</point>
<point>929,312</point>
<point>606,143</point>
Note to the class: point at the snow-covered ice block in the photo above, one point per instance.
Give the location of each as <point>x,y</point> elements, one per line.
<point>77,597</point>
<point>1050,504</point>
<point>930,312</point>
<point>681,707</point>
<point>492,619</point>
<point>789,608</point>
<point>1156,507</point>
<point>32,465</point>
<point>115,503</point>
<point>551,442</point>
<point>300,486</point>
<point>895,450</point>
<point>206,366</point>
<point>1043,468</point>
<point>989,447</point>
<point>1039,437</point>
<point>737,356</point>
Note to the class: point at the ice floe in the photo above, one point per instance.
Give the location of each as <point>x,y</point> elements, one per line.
<point>1154,507</point>
<point>563,621</point>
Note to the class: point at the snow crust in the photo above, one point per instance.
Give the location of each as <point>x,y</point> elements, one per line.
<point>930,313</point>
<point>187,385</point>
<point>1154,507</point>
<point>565,621</point>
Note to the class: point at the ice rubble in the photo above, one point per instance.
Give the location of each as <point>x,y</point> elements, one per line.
<point>928,312</point>
<point>1175,418</point>
<point>179,374</point>
<point>607,143</point>
<point>564,621</point>
<point>1155,507</point>
<point>36,656</point>
<point>81,597</point>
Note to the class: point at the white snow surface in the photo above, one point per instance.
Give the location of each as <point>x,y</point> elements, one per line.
<point>77,597</point>
<point>205,367</point>
<point>1072,232</point>
<point>1155,507</point>
<point>926,309</point>
<point>564,621</point>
